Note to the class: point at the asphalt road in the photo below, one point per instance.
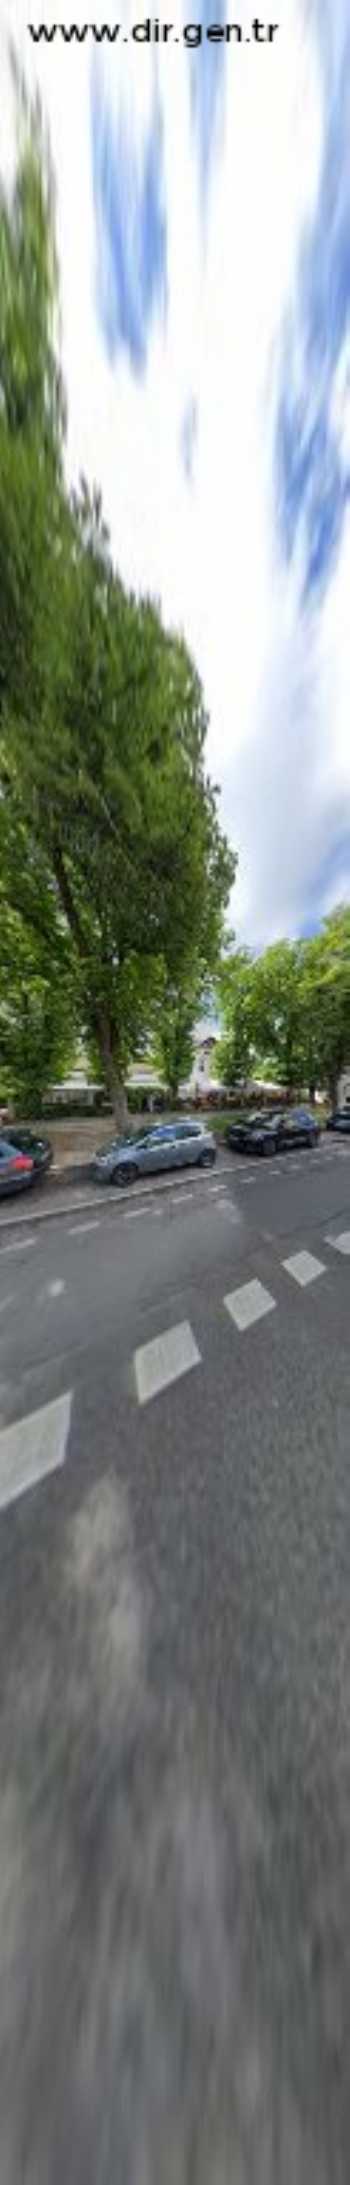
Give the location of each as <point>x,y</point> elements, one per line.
<point>175,1689</point>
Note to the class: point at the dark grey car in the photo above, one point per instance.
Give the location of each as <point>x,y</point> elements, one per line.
<point>168,1145</point>
<point>340,1120</point>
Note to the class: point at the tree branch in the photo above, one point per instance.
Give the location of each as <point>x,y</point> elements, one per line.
<point>67,899</point>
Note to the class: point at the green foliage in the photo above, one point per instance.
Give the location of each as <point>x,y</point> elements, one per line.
<point>108,823</point>
<point>31,391</point>
<point>175,1037</point>
<point>291,1007</point>
<point>277,1019</point>
<point>36,1012</point>
<point>235,989</point>
<point>325,989</point>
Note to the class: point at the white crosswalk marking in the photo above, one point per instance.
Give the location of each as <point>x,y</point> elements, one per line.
<point>164,1360</point>
<point>32,1448</point>
<point>304,1268</point>
<point>55,1289</point>
<point>248,1304</point>
<point>341,1243</point>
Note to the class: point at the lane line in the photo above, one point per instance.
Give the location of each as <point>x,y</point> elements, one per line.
<point>136,1213</point>
<point>83,1228</point>
<point>5,1302</point>
<point>55,1289</point>
<point>165,1359</point>
<point>248,1304</point>
<point>179,1197</point>
<point>109,1196</point>
<point>304,1268</point>
<point>32,1448</point>
<point>23,1244</point>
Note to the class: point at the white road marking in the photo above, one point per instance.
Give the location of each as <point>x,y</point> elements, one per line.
<point>165,1360</point>
<point>55,1289</point>
<point>114,1197</point>
<point>304,1268</point>
<point>32,1448</point>
<point>22,1244</point>
<point>5,1302</point>
<point>341,1243</point>
<point>135,1213</point>
<point>248,1304</point>
<point>82,1228</point>
<point>178,1197</point>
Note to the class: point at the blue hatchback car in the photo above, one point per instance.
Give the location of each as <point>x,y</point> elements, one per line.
<point>168,1145</point>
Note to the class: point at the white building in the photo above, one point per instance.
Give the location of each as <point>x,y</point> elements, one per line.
<point>344,1089</point>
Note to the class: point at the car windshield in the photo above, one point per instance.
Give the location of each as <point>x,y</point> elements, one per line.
<point>124,1138</point>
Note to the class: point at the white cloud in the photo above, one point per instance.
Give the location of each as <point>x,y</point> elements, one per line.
<point>211,553</point>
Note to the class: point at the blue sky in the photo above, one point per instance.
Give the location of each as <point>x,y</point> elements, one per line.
<point>203,209</point>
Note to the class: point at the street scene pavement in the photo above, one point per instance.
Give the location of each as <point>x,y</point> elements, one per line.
<point>175,1698</point>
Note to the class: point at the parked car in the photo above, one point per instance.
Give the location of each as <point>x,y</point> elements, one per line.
<point>26,1141</point>
<point>16,1168</point>
<point>168,1145</point>
<point>267,1131</point>
<point>340,1120</point>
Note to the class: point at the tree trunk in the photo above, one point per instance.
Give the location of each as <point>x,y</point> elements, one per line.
<point>112,1072</point>
<point>120,1105</point>
<point>333,1086</point>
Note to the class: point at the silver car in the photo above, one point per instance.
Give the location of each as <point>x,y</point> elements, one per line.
<point>167,1145</point>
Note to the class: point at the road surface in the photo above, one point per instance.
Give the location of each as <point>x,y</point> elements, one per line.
<point>175,1690</point>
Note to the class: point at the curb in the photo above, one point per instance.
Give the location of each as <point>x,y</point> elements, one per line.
<point>114,1198</point>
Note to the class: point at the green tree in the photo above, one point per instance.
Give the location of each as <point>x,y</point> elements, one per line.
<point>37,1014</point>
<point>107,781</point>
<point>102,722</point>
<point>277,1011</point>
<point>174,1047</point>
<point>32,415</point>
<point>235,992</point>
<point>31,387</point>
<point>325,993</point>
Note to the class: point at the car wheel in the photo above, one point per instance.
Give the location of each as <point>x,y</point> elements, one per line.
<point>206,1159</point>
<point>269,1146</point>
<point>124,1174</point>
